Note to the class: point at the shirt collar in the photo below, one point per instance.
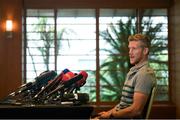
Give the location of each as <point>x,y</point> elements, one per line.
<point>136,68</point>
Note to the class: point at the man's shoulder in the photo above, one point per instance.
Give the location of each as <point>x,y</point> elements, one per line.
<point>146,70</point>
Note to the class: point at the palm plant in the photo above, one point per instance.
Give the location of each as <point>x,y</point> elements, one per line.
<point>115,67</point>
<point>47,35</point>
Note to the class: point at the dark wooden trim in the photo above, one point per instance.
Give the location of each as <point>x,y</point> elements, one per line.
<point>96,4</point>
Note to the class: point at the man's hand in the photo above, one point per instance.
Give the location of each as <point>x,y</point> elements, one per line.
<point>104,114</point>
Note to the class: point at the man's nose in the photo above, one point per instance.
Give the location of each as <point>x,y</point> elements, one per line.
<point>130,51</point>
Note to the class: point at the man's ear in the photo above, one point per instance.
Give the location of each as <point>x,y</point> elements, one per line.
<point>146,51</point>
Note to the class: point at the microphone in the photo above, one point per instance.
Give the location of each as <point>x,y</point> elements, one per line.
<point>52,84</point>
<point>68,75</point>
<point>26,91</point>
<point>81,82</point>
<point>39,82</point>
<point>44,78</point>
<point>68,83</point>
<point>77,98</point>
<point>20,89</point>
<point>78,84</point>
<point>62,73</point>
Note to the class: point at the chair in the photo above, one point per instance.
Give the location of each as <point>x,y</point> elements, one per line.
<point>148,106</point>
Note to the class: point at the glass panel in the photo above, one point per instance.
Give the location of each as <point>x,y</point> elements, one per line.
<point>40,12</point>
<point>115,27</point>
<point>76,30</point>
<point>86,13</point>
<point>40,28</point>
<point>155,24</point>
<point>114,32</point>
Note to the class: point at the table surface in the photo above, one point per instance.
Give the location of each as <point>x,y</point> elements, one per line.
<point>51,111</point>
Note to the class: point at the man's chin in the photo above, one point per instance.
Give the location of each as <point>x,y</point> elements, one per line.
<point>132,62</point>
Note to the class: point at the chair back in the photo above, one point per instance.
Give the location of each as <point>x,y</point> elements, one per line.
<point>148,106</point>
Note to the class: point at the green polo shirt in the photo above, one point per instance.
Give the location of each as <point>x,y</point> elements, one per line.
<point>140,78</point>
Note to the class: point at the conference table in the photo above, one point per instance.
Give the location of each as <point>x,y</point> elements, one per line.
<point>51,111</point>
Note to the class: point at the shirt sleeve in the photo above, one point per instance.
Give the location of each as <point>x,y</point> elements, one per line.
<point>144,82</point>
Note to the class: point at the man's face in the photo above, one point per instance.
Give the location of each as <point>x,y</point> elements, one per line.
<point>136,52</point>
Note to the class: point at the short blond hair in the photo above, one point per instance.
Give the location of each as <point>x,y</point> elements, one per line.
<point>142,38</point>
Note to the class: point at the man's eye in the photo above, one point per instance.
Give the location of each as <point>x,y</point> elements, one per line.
<point>132,48</point>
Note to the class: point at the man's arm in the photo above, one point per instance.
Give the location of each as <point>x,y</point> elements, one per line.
<point>136,109</point>
<point>105,114</point>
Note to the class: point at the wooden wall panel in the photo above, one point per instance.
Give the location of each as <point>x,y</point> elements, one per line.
<point>174,27</point>
<point>10,49</point>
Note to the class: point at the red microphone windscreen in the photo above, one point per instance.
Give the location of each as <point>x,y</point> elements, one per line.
<point>67,76</point>
<point>83,80</point>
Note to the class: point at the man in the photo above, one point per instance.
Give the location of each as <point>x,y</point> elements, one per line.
<point>139,81</point>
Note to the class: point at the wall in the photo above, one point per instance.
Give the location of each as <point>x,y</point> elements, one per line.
<point>10,49</point>
<point>175,53</point>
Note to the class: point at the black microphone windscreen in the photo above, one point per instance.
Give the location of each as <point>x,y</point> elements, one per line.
<point>76,97</point>
<point>44,77</point>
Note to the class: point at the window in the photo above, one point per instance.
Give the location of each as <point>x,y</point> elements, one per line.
<point>77,49</point>
<point>40,35</point>
<point>155,20</point>
<point>114,58</point>
<point>95,40</point>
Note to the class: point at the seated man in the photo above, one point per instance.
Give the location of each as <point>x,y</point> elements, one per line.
<point>138,84</point>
